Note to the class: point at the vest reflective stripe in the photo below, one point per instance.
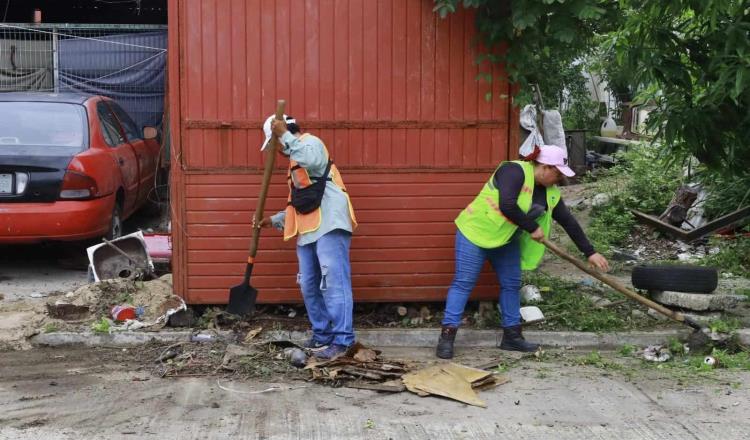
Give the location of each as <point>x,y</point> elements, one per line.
<point>484,224</point>
<point>296,223</point>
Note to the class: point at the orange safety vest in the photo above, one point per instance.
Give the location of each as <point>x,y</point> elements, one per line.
<point>296,223</point>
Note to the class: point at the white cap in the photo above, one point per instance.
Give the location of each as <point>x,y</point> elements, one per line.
<point>267,129</point>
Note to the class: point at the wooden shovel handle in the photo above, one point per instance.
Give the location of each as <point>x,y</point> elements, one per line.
<point>677,316</point>
<point>270,163</point>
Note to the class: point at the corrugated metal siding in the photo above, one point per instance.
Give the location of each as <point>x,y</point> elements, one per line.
<point>391,90</point>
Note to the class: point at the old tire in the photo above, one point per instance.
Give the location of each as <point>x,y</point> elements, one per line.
<point>690,279</point>
<point>115,225</point>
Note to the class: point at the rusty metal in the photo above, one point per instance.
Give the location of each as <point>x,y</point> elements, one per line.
<point>697,233</point>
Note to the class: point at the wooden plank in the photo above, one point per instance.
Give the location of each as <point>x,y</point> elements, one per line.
<point>351,177</point>
<point>379,229</point>
<point>312,60</point>
<point>355,190</point>
<point>204,277</point>
<point>289,255</point>
<point>364,294</point>
<point>364,242</point>
<point>363,216</point>
<point>278,203</point>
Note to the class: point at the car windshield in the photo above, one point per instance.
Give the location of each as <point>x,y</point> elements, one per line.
<point>48,124</point>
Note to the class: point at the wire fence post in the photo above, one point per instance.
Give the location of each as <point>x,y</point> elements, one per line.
<point>55,62</point>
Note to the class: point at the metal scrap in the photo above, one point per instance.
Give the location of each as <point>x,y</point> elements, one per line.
<point>697,233</point>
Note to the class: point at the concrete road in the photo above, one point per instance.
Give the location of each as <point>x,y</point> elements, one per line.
<point>40,269</point>
<point>92,394</point>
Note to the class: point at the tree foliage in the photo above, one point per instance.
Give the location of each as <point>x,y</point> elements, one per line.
<point>690,58</point>
<point>544,36</point>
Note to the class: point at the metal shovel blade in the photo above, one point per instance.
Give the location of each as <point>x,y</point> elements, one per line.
<point>242,300</point>
<point>242,296</point>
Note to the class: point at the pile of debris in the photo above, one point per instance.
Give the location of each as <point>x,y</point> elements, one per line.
<point>360,367</point>
<point>150,303</point>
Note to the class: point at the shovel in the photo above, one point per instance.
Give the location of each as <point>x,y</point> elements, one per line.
<point>242,296</point>
<point>677,316</point>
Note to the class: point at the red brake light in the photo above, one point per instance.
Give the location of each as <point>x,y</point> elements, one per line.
<point>78,186</point>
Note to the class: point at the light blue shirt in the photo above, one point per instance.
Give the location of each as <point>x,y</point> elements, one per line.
<point>310,153</point>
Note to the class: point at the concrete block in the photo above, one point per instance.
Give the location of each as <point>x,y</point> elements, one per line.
<point>698,301</point>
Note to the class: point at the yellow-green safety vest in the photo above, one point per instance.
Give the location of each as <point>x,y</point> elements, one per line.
<point>483,224</point>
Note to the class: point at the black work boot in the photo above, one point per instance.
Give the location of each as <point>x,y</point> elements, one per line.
<point>513,340</point>
<point>444,348</point>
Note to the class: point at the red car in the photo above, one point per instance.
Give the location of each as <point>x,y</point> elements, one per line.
<point>72,167</point>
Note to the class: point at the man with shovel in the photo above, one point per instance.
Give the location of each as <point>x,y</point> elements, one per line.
<point>320,214</point>
<point>505,224</point>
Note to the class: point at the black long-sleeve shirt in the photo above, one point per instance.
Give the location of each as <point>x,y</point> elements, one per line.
<point>509,179</point>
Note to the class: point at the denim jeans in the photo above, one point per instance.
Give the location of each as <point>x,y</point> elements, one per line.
<point>506,260</point>
<point>326,283</point>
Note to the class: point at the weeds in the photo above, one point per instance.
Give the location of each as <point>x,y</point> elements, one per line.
<point>103,325</point>
<point>51,327</point>
<point>566,307</point>
<point>676,347</point>
<point>627,350</point>
<point>729,325</point>
<point>733,256</point>
<point>597,360</point>
<point>641,180</point>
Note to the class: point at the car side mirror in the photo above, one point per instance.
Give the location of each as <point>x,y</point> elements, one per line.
<point>149,133</point>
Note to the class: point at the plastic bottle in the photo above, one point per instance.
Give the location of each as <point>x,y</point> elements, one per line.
<point>609,127</point>
<point>202,337</point>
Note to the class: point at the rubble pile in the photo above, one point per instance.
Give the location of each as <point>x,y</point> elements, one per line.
<point>153,300</point>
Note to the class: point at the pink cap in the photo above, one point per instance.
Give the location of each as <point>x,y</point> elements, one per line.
<point>554,155</point>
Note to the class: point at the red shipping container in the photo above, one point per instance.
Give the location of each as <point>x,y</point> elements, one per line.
<point>388,86</point>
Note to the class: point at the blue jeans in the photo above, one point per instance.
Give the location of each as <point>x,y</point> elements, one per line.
<point>326,282</point>
<point>506,260</point>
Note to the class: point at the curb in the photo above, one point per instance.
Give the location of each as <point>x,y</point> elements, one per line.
<point>392,338</point>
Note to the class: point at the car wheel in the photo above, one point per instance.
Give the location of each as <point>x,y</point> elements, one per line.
<point>689,279</point>
<point>115,226</point>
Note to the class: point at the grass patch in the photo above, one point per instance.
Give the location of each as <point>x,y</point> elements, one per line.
<point>733,256</point>
<point>627,350</point>
<point>641,180</point>
<point>103,325</point>
<point>51,327</point>
<point>728,325</point>
<point>597,360</point>
<point>566,306</point>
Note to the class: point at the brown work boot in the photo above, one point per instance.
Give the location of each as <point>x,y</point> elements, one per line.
<point>513,340</point>
<point>444,348</point>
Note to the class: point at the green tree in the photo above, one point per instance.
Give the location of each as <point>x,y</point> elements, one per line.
<point>691,58</point>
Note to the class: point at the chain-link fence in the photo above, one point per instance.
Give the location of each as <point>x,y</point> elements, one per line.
<point>124,62</point>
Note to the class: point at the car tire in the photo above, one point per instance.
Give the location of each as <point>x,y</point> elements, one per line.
<point>688,279</point>
<point>115,225</point>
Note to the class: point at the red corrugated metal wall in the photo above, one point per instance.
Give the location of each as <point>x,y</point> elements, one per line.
<point>387,85</point>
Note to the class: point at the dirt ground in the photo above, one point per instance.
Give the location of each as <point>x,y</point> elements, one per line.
<point>73,393</point>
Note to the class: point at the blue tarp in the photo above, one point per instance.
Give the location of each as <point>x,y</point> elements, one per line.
<point>128,68</point>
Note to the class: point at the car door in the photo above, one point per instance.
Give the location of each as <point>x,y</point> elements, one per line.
<point>122,154</point>
<point>147,156</point>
